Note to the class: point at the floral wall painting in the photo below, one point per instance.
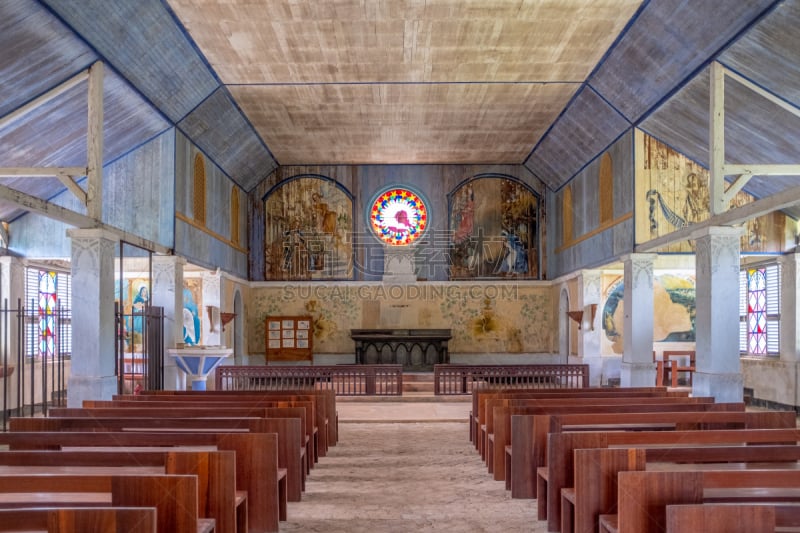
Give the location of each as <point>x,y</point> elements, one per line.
<point>674,311</point>
<point>672,192</point>
<point>308,228</point>
<point>494,225</point>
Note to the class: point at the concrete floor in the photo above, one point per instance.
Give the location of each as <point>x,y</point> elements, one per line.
<point>403,466</point>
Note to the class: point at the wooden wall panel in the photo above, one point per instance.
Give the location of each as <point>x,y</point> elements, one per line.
<point>669,41</point>
<point>363,182</point>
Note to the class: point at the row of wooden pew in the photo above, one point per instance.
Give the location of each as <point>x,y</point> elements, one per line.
<point>640,459</point>
<point>166,461</point>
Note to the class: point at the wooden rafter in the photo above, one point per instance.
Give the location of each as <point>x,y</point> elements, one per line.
<point>720,195</point>
<point>73,218</point>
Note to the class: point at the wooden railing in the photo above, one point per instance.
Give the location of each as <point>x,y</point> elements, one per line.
<point>463,379</point>
<point>346,380</point>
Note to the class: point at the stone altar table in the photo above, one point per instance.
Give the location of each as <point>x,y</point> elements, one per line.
<point>415,349</point>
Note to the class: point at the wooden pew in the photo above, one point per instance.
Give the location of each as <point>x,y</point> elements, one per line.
<point>292,450</point>
<point>724,518</point>
<point>216,472</point>
<point>479,402</point>
<point>202,409</point>
<point>173,496</point>
<point>324,405</point>
<point>594,489</point>
<point>643,496</point>
<point>559,472</point>
<point>80,519</point>
<point>498,426</point>
<point>257,470</point>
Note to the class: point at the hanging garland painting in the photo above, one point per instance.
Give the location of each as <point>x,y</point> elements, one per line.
<point>672,192</point>
<point>494,223</point>
<point>308,224</point>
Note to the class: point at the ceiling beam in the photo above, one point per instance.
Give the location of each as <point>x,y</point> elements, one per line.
<point>40,172</point>
<point>73,218</point>
<point>732,217</point>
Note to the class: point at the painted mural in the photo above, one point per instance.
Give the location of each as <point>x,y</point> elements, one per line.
<point>674,311</point>
<point>309,224</point>
<point>192,304</point>
<point>135,297</point>
<point>494,223</point>
<point>672,192</point>
<point>483,318</point>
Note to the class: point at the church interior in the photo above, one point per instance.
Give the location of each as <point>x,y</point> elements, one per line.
<point>282,183</point>
<point>244,144</point>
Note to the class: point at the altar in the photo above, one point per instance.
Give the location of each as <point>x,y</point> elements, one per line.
<point>415,349</point>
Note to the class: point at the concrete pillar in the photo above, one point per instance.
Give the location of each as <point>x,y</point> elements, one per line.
<point>92,375</point>
<point>790,318</point>
<point>718,369</point>
<point>589,334</point>
<point>168,293</point>
<point>638,368</point>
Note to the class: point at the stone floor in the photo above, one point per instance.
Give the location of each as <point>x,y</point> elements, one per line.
<point>406,466</point>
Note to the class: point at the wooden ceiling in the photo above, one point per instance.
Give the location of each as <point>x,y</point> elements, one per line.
<point>403,81</point>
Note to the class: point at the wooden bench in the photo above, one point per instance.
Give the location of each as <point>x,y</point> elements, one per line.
<point>594,489</point>
<point>724,518</point>
<point>677,362</point>
<point>559,472</point>
<point>478,414</point>
<point>324,405</point>
<point>173,496</point>
<point>291,448</point>
<point>257,470</point>
<point>643,496</point>
<point>488,428</point>
<point>216,472</point>
<point>210,406</point>
<point>498,426</point>
<point>80,519</point>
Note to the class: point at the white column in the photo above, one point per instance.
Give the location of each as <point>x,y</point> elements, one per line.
<point>638,368</point>
<point>790,318</point>
<point>168,293</point>
<point>12,287</point>
<point>718,369</point>
<point>92,375</point>
<point>790,321</point>
<point>589,334</point>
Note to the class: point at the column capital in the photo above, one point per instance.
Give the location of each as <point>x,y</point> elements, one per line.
<point>638,258</point>
<point>92,233</point>
<point>719,231</point>
<point>169,259</point>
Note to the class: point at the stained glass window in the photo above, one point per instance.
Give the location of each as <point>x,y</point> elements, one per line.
<point>760,310</point>
<point>48,324</point>
<point>48,298</point>
<point>398,216</point>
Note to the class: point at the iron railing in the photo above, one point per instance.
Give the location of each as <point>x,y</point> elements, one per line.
<point>346,380</point>
<point>139,349</point>
<point>463,379</point>
<point>35,359</point>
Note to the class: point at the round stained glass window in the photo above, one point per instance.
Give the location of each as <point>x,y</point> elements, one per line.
<point>398,216</point>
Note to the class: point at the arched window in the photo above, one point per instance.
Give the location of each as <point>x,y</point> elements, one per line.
<point>606,189</point>
<point>235,215</point>
<point>199,198</point>
<point>566,216</point>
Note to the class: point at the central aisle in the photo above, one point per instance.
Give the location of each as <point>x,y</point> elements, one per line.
<point>406,476</point>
